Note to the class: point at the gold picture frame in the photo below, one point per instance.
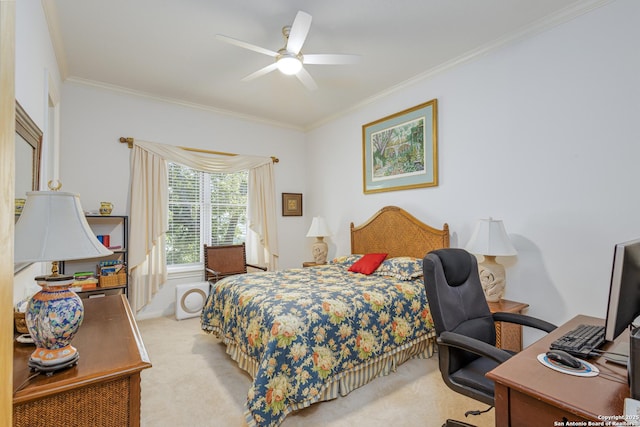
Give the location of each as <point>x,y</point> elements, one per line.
<point>400,151</point>
<point>291,204</point>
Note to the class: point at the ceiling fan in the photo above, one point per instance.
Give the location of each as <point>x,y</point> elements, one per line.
<point>289,59</point>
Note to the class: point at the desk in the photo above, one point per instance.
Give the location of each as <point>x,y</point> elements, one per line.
<point>103,389</point>
<point>528,393</point>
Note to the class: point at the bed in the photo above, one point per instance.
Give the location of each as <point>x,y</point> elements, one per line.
<point>312,334</point>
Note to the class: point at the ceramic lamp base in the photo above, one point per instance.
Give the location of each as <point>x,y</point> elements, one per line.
<point>320,250</point>
<point>50,361</point>
<point>47,357</point>
<point>53,317</point>
<point>492,277</point>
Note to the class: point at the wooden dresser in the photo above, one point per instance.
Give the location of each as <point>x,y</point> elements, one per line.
<point>103,389</point>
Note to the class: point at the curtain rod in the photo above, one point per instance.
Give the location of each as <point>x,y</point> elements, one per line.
<point>129,142</point>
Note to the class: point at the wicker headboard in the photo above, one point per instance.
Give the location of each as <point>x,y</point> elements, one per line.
<point>398,233</point>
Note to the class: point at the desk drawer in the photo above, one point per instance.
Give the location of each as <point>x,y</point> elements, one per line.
<point>530,412</point>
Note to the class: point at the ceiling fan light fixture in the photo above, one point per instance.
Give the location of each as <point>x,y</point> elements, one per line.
<point>289,64</point>
<point>289,59</point>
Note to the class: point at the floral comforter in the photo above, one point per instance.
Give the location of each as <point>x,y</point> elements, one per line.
<point>307,335</point>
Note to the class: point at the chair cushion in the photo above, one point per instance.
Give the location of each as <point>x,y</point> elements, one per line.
<point>455,264</point>
<point>473,376</point>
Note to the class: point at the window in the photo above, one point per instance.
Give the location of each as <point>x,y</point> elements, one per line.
<point>204,208</point>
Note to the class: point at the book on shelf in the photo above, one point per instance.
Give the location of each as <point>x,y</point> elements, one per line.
<point>84,280</point>
<point>110,267</point>
<point>82,275</point>
<point>110,262</point>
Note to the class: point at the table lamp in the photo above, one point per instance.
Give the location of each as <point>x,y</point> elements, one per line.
<point>490,240</point>
<point>319,230</point>
<point>52,228</point>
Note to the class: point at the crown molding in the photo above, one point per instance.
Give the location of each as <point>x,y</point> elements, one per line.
<point>571,12</point>
<point>182,103</point>
<point>575,10</point>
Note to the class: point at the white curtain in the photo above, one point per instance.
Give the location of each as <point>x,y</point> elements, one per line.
<point>149,208</point>
<point>147,268</point>
<point>262,240</point>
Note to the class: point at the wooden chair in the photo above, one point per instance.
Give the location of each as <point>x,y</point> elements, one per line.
<point>225,260</point>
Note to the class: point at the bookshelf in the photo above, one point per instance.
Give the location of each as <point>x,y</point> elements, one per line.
<point>116,227</point>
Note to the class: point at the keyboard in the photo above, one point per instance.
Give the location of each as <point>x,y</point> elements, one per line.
<point>582,341</point>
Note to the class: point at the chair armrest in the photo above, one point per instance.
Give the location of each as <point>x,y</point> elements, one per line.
<point>523,319</point>
<point>256,266</point>
<point>473,345</point>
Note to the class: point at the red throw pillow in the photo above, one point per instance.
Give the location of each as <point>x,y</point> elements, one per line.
<point>368,263</point>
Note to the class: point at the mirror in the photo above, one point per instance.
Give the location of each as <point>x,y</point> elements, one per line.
<point>28,148</point>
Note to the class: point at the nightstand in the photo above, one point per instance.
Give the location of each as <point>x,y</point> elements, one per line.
<point>508,335</point>
<point>310,264</point>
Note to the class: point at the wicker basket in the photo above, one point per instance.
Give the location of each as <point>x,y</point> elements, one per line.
<point>20,322</point>
<point>118,279</point>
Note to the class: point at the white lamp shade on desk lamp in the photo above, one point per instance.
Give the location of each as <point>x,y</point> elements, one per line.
<point>52,227</point>
<point>319,230</point>
<point>490,239</point>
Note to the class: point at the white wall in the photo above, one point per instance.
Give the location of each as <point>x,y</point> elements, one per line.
<point>542,134</point>
<point>36,74</point>
<point>96,165</point>
<point>35,59</point>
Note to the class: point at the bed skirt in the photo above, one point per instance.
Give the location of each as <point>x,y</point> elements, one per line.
<point>342,383</point>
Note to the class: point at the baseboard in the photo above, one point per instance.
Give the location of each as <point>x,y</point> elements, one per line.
<point>154,314</point>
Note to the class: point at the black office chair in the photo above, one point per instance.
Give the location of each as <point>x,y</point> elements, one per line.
<point>221,261</point>
<point>465,327</point>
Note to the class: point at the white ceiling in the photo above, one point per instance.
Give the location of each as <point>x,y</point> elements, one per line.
<point>168,49</point>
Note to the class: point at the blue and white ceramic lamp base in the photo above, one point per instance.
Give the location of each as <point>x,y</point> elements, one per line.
<point>53,317</point>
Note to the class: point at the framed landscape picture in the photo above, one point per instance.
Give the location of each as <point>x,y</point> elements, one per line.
<point>400,151</point>
<point>291,204</point>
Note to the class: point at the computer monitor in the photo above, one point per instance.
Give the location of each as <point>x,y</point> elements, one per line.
<point>624,291</point>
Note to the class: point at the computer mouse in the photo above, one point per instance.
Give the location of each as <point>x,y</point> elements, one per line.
<point>564,358</point>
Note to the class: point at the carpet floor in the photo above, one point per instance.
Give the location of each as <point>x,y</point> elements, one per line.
<point>194,383</point>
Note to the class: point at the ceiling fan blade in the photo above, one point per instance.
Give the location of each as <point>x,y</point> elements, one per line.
<point>306,79</point>
<point>298,32</point>
<point>330,59</point>
<point>246,45</point>
<point>261,72</point>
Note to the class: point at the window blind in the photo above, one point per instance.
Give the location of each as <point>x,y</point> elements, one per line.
<point>204,208</point>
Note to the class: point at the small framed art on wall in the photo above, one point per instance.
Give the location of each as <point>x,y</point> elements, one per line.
<point>291,204</point>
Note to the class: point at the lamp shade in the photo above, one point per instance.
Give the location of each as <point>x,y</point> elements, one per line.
<point>52,227</point>
<point>318,228</point>
<point>490,238</point>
